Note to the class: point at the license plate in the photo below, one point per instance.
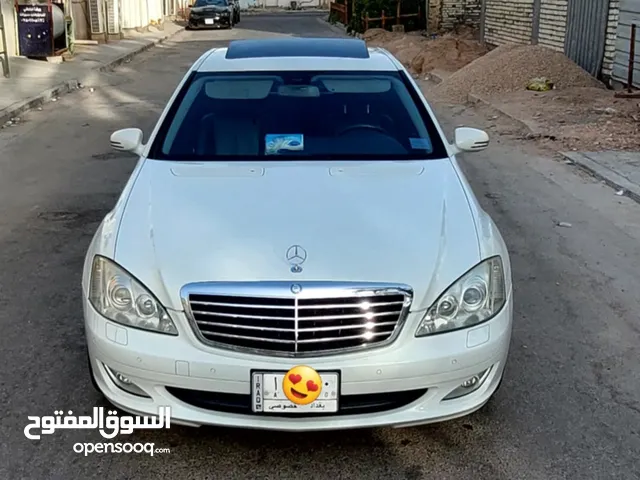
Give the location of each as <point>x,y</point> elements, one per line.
<point>208,21</point>
<point>268,396</point>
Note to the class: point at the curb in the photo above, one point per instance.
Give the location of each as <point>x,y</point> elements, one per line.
<point>608,176</point>
<point>473,98</point>
<point>605,174</point>
<point>336,27</point>
<point>19,108</point>
<point>128,56</point>
<point>69,86</point>
<point>341,28</point>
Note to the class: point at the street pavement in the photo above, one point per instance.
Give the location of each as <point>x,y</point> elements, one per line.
<point>569,406</point>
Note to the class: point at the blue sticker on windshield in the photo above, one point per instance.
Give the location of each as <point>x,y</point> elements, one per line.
<point>276,144</point>
<point>420,144</point>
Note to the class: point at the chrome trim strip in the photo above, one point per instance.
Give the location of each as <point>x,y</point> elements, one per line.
<point>242,337</point>
<point>239,315</point>
<point>349,316</point>
<point>319,290</point>
<point>349,305</point>
<point>342,327</point>
<point>241,305</point>
<point>245,327</point>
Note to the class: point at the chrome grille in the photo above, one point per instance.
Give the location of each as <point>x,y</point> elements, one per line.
<point>321,318</point>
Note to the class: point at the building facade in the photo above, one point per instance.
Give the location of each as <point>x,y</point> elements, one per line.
<point>100,20</point>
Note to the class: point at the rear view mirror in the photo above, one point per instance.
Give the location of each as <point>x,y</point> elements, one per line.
<point>127,140</point>
<point>470,140</point>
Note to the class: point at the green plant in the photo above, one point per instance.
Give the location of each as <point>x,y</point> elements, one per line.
<point>375,8</point>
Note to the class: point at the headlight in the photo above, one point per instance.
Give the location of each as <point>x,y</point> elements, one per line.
<point>116,295</point>
<point>474,298</point>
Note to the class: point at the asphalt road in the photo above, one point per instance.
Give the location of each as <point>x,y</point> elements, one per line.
<point>569,406</point>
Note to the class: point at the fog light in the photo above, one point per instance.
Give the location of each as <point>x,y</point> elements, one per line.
<point>469,386</point>
<point>471,382</point>
<point>124,383</point>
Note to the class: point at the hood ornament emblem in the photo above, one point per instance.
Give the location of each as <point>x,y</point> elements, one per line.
<point>296,256</point>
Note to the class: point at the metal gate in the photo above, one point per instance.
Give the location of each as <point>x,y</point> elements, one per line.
<point>586,33</point>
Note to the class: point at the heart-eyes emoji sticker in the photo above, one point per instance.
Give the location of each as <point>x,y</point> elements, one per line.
<point>302,385</point>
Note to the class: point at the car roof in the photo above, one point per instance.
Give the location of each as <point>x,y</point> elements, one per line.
<point>282,54</point>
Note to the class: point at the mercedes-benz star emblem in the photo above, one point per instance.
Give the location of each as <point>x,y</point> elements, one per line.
<point>295,288</point>
<point>296,256</point>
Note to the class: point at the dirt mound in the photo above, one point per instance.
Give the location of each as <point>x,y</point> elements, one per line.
<point>447,53</point>
<point>421,54</point>
<point>508,69</point>
<point>374,34</point>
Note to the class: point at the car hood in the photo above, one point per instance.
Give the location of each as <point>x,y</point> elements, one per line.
<point>209,9</point>
<point>393,222</point>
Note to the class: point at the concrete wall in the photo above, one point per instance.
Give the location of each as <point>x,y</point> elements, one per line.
<point>444,14</point>
<point>139,14</point>
<point>8,12</point>
<point>435,15</point>
<point>508,21</point>
<point>553,24</point>
<point>610,45</point>
<point>80,12</point>
<point>456,12</point>
<point>511,21</point>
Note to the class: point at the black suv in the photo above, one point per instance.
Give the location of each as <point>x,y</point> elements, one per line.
<point>213,13</point>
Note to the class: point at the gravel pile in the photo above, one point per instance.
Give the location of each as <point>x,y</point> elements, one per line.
<point>508,68</point>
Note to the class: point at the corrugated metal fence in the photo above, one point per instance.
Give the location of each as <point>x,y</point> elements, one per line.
<point>587,33</point>
<point>629,14</point>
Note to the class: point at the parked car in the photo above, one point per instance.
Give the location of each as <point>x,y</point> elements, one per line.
<point>211,14</point>
<point>298,248</point>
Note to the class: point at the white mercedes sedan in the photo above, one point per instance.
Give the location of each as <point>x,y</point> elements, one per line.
<point>298,249</point>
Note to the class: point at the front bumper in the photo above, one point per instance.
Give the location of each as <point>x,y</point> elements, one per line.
<point>158,363</point>
<point>215,21</point>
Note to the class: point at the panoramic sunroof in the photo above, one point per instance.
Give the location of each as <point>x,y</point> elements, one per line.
<point>298,47</point>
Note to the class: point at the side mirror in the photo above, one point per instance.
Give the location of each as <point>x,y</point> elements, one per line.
<point>128,140</point>
<point>470,139</point>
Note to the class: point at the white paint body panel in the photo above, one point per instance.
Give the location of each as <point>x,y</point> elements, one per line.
<point>414,222</point>
<point>378,222</point>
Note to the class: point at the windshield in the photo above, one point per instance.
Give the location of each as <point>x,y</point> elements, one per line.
<point>208,3</point>
<point>298,115</point>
